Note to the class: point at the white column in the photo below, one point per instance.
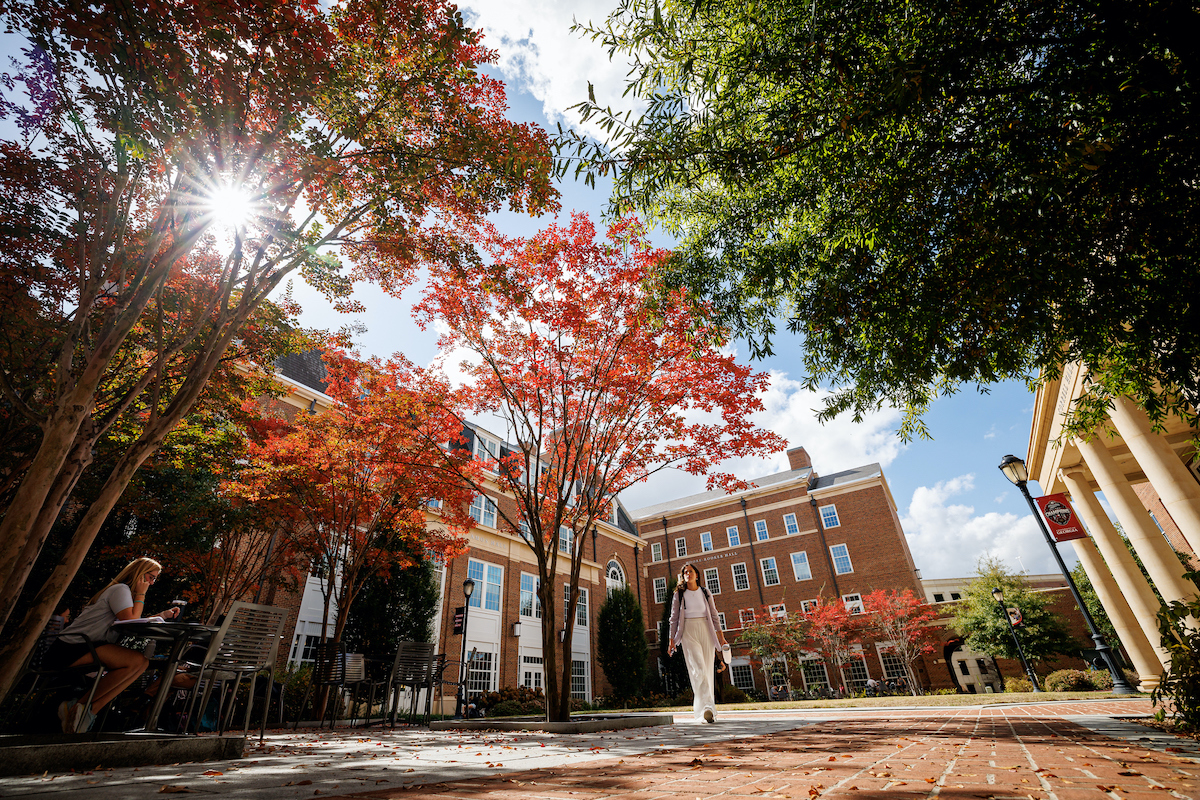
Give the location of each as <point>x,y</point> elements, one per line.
<point>1158,557</point>
<point>1176,487</point>
<point>1120,585</point>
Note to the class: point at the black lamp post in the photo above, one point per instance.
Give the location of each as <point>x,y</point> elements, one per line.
<point>998,596</point>
<point>1014,469</point>
<point>461,700</point>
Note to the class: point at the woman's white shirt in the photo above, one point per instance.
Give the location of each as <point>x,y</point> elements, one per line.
<point>694,604</point>
<point>95,621</point>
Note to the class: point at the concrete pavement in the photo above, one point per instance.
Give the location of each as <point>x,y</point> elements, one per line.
<point>1060,751</point>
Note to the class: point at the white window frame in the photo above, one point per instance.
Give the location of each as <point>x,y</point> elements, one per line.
<point>834,557</point>
<point>581,679</point>
<point>681,547</point>
<point>805,563</point>
<point>656,551</point>
<point>837,520</point>
<point>746,615</point>
<point>566,539</point>
<point>884,649</point>
<point>721,617</point>
<point>735,536</point>
<point>712,580</point>
<point>790,526</point>
<point>660,590</point>
<point>486,450</point>
<point>808,605</point>
<point>479,598</point>
<point>854,603</point>
<point>738,673</point>
<point>706,542</point>
<point>486,510</point>
<point>536,604</point>
<point>762,563</point>
<point>778,611</point>
<point>761,533</point>
<point>745,576</point>
<point>581,606</point>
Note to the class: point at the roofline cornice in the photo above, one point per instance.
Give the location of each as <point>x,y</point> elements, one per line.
<point>725,498</point>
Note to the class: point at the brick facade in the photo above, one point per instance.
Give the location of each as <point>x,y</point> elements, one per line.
<point>844,528</point>
<point>491,630</point>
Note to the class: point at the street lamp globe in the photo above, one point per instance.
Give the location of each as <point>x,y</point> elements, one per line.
<point>468,588</point>
<point>998,594</point>
<point>1014,469</point>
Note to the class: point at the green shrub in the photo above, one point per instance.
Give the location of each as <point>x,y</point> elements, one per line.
<point>507,708</point>
<point>1069,680</point>
<point>1018,685</point>
<point>947,691</point>
<point>732,694</point>
<point>1103,681</point>
<point>1179,691</point>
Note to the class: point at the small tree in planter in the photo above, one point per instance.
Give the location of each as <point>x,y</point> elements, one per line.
<point>833,631</point>
<point>902,620</point>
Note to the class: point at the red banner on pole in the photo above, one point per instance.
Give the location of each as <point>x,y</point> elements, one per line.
<point>1064,524</point>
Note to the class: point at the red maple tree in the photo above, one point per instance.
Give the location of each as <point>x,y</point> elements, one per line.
<point>833,633</point>
<point>364,130</point>
<point>358,479</point>
<point>901,621</point>
<point>602,376</point>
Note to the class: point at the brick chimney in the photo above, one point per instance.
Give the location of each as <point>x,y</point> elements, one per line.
<point>798,458</point>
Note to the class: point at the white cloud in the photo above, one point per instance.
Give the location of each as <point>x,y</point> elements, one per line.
<point>948,538</point>
<point>539,53</point>
<point>791,412</point>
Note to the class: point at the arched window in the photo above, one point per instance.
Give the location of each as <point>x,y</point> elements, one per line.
<point>615,576</point>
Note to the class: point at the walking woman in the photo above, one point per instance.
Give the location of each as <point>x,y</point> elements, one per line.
<point>123,598</point>
<point>696,627</point>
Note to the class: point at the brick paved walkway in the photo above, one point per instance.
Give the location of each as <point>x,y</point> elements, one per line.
<point>997,753</point>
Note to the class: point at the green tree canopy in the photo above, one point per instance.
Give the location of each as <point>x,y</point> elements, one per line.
<point>621,643</point>
<point>675,675</point>
<point>395,605</point>
<point>985,629</point>
<point>930,193</point>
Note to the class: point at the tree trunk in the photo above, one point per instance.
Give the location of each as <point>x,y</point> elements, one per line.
<point>58,439</point>
<point>17,649</point>
<point>14,652</point>
<point>565,687</point>
<point>56,498</point>
<point>555,712</point>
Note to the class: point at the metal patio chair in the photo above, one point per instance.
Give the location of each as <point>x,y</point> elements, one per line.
<point>246,645</point>
<point>413,669</point>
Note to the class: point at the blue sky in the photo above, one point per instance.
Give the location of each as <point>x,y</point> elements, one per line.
<point>954,503</point>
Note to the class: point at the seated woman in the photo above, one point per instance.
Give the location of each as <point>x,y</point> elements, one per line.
<point>123,598</point>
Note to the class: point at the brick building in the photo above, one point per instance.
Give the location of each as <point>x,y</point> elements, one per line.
<point>504,622</point>
<point>953,665</point>
<point>790,539</point>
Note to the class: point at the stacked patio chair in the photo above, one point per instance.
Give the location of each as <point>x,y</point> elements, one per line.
<point>413,669</point>
<point>329,672</point>
<point>246,645</point>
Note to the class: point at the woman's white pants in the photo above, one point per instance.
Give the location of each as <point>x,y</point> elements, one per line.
<point>699,653</point>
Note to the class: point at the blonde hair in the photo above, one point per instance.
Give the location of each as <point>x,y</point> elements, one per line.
<point>133,570</point>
